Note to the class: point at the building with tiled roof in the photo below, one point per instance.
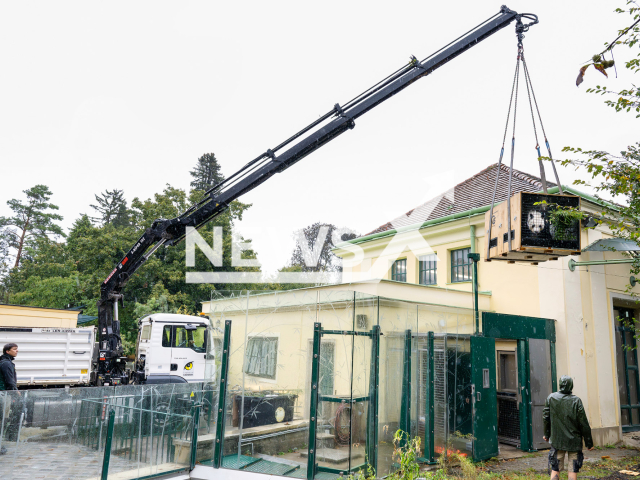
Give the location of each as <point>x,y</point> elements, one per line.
<point>428,247</point>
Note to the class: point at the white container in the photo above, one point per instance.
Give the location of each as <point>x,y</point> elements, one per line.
<point>51,356</point>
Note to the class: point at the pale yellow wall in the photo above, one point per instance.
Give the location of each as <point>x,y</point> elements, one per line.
<point>580,302</point>
<point>20,316</point>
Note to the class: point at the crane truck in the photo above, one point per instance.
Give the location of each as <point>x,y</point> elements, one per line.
<point>158,363</point>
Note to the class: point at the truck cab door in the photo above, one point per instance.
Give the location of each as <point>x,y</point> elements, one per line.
<point>188,352</point>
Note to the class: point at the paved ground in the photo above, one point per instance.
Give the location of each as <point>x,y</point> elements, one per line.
<point>57,461</point>
<point>511,459</point>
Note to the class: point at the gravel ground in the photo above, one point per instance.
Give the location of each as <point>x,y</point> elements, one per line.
<point>538,461</point>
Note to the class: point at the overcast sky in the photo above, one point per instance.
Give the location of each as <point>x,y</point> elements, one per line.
<point>127,95</point>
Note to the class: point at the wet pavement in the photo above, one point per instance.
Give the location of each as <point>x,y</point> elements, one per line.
<point>58,461</point>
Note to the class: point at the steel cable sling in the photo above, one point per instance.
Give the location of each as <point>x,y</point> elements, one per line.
<point>513,103</point>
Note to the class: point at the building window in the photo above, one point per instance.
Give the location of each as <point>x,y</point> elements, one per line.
<point>399,270</point>
<point>460,265</point>
<point>262,356</point>
<point>427,269</point>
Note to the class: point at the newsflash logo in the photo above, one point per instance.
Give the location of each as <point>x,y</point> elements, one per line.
<point>405,236</point>
<point>310,255</point>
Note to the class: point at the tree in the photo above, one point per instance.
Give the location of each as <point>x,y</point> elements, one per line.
<point>617,176</point>
<point>70,271</point>
<point>5,261</point>
<point>206,173</point>
<point>32,220</point>
<point>314,244</point>
<point>112,208</point>
<point>625,99</point>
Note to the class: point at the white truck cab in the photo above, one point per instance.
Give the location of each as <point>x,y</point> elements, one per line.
<point>173,348</point>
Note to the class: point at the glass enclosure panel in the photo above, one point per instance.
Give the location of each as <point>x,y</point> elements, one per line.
<point>71,428</point>
<point>361,386</point>
<point>336,419</point>
<point>453,426</point>
<point>269,383</point>
<point>396,318</point>
<point>460,404</point>
<point>153,427</point>
<point>225,306</point>
<point>55,423</point>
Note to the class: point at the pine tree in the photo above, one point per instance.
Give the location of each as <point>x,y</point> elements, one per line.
<point>206,173</point>
<point>5,254</point>
<point>112,208</point>
<point>32,221</point>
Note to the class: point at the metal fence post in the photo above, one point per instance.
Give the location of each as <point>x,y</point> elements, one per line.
<point>194,436</point>
<point>4,409</point>
<point>405,406</point>
<point>313,409</point>
<point>429,447</point>
<point>107,445</point>
<point>222,396</point>
<point>374,384</point>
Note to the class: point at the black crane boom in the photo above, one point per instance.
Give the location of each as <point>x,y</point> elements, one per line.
<point>110,366</point>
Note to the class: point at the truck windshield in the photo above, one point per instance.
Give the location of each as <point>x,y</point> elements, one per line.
<point>193,339</point>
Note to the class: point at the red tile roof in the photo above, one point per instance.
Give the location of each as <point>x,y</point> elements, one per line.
<point>474,192</point>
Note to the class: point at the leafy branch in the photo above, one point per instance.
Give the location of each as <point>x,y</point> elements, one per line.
<point>627,99</point>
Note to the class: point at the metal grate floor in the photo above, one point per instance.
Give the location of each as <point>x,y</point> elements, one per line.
<point>232,461</point>
<point>302,473</point>
<point>271,468</point>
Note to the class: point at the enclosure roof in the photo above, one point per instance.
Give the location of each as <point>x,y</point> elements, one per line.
<point>613,245</point>
<point>440,297</point>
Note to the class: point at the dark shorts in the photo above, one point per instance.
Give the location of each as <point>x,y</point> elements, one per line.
<point>556,460</point>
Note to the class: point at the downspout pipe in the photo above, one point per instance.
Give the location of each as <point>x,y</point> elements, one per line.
<point>573,264</point>
<point>475,257</point>
<point>472,236</point>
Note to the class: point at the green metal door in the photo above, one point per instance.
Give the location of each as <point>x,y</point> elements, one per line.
<point>484,398</point>
<point>627,366</point>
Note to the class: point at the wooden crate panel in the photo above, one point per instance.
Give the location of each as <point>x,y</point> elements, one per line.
<point>533,238</point>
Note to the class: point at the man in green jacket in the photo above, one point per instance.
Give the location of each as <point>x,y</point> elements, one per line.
<point>565,426</point>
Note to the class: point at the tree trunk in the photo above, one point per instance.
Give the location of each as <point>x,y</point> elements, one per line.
<point>24,233</point>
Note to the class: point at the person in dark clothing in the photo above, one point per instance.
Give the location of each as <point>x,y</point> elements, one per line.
<point>8,381</point>
<point>565,427</point>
